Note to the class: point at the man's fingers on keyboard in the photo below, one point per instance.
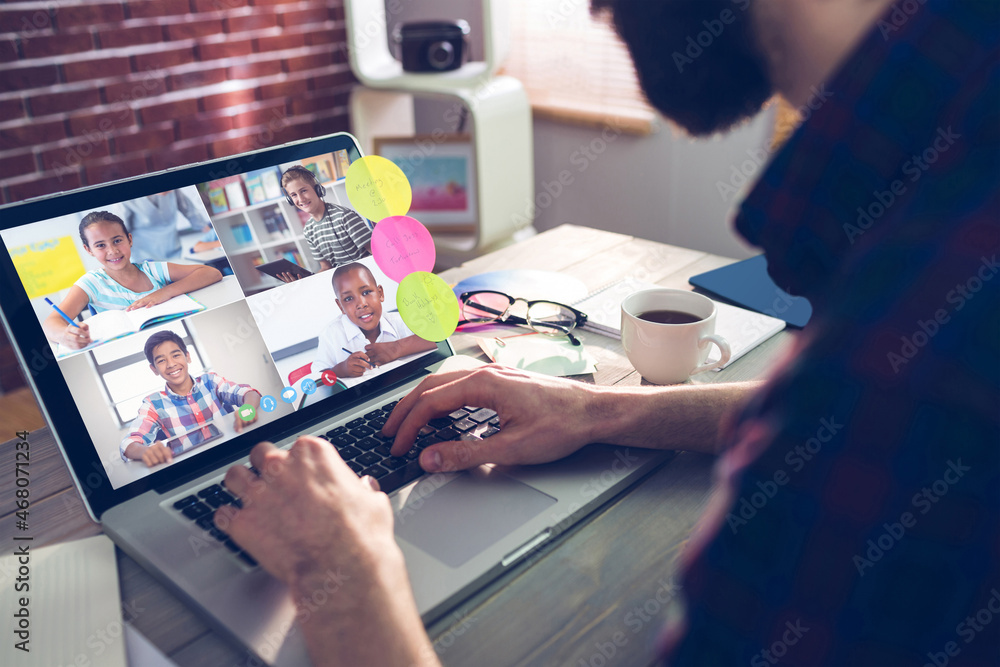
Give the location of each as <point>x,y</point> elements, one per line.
<point>265,457</point>
<point>434,401</point>
<point>238,480</point>
<point>459,455</point>
<point>406,404</point>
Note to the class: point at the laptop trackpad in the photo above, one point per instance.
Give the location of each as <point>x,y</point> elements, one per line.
<point>466,515</point>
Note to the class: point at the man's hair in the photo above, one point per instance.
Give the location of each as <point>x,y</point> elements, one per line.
<point>344,269</point>
<point>704,89</point>
<point>162,337</point>
<point>300,172</point>
<point>96,217</point>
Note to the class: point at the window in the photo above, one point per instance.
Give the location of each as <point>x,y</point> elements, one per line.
<point>574,66</point>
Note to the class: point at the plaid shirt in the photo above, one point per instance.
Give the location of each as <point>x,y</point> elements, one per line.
<point>856,521</point>
<point>165,414</point>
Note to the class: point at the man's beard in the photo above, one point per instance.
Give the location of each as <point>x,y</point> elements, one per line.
<point>697,60</point>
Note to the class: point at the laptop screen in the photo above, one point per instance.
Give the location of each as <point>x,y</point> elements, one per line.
<point>239,294</point>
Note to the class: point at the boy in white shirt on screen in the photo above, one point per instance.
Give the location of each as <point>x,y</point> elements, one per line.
<point>365,337</point>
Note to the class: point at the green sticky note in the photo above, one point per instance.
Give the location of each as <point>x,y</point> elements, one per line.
<point>428,306</point>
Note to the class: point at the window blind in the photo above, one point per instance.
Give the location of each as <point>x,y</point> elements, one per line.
<point>574,67</point>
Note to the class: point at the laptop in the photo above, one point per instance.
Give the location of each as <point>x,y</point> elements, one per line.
<point>458,531</point>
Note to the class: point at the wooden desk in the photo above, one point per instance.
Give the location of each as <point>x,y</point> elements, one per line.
<point>604,588</point>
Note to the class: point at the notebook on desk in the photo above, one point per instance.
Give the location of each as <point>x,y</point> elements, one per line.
<point>471,527</point>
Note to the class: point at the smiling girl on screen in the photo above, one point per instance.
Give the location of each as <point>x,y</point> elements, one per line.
<point>119,284</point>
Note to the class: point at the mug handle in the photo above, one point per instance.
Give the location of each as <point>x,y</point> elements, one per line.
<point>723,348</point>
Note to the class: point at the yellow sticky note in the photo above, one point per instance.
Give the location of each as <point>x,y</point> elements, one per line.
<point>428,306</point>
<point>47,266</point>
<point>377,188</point>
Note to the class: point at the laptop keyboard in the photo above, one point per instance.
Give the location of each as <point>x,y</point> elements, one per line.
<point>365,450</point>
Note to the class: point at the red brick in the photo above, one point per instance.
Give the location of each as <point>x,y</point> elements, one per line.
<point>311,61</point>
<point>194,29</point>
<point>274,111</point>
<point>87,14</point>
<point>8,51</point>
<point>160,59</point>
<point>134,89</point>
<point>109,120</point>
<point>195,78</point>
<point>279,42</point>
<point>140,34</point>
<point>147,139</point>
<point>258,21</point>
<point>332,80</point>
<point>25,22</point>
<point>96,68</point>
<point>25,78</point>
<point>203,125</point>
<point>43,185</point>
<point>72,154</point>
<point>44,46</point>
<point>218,5</point>
<point>328,35</point>
<point>255,70</point>
<point>225,49</point>
<point>18,164</point>
<point>150,8</point>
<point>49,103</point>
<point>269,3</point>
<point>303,16</point>
<point>230,99</point>
<point>283,89</point>
<point>165,159</point>
<point>114,168</point>
<point>156,113</point>
<point>337,13</point>
<point>318,102</point>
<point>11,108</point>
<point>31,133</point>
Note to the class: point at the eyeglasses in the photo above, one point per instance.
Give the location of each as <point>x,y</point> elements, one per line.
<point>547,317</point>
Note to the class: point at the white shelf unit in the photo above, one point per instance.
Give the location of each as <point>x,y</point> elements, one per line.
<point>267,243</point>
<point>499,121</point>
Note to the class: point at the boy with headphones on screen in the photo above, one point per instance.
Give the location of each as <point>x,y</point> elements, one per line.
<point>336,235</point>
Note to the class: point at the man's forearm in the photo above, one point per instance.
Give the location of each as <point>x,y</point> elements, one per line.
<point>689,417</point>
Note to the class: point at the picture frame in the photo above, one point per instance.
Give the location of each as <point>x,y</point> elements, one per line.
<point>442,174</point>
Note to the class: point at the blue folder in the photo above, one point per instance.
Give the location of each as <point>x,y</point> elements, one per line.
<point>747,284</point>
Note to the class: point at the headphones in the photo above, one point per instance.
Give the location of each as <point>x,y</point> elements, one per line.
<point>303,173</point>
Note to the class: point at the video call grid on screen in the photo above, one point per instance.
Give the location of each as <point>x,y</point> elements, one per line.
<point>256,331</point>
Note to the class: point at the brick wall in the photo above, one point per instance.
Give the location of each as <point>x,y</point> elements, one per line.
<point>94,91</point>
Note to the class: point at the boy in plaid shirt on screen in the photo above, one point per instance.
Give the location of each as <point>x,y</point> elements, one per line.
<point>184,403</point>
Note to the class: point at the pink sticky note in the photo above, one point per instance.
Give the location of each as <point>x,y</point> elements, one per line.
<point>402,245</point>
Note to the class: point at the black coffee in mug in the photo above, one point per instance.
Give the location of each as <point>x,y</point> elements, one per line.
<point>669,317</point>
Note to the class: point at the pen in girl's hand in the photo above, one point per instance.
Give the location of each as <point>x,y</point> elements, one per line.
<point>64,315</point>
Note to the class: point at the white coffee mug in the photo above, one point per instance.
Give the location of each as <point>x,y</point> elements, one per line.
<point>670,353</point>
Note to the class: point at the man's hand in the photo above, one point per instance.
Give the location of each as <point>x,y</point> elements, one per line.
<point>542,418</point>
<point>156,454</point>
<point>314,525</point>
<point>288,277</point>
